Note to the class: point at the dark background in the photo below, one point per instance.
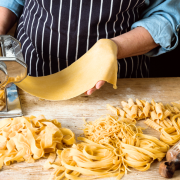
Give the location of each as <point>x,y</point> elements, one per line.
<point>166,65</point>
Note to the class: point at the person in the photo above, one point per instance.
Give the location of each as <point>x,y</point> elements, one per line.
<point>54,34</point>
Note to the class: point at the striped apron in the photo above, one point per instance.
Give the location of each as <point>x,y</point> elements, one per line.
<point>54,34</point>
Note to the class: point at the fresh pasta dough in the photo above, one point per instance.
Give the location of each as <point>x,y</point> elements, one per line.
<point>99,63</point>
<point>163,118</point>
<point>111,145</point>
<point>29,138</point>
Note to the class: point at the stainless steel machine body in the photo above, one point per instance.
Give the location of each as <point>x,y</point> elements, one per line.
<point>13,69</point>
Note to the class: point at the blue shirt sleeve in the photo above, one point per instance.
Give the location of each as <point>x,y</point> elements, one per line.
<point>16,6</point>
<point>162,19</point>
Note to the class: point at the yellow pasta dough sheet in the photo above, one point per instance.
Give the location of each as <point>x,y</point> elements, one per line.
<point>99,63</point>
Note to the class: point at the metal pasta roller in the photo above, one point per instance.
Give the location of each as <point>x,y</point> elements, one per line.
<point>13,69</point>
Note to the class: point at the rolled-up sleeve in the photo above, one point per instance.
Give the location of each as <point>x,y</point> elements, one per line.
<point>16,6</point>
<point>162,20</point>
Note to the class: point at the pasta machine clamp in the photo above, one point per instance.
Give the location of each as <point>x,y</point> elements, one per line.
<point>13,69</point>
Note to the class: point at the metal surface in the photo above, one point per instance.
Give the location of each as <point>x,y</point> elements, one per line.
<point>12,65</point>
<point>13,105</point>
<point>3,73</point>
<point>13,69</point>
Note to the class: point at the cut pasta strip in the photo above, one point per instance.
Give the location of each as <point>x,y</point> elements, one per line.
<point>166,113</point>
<point>154,116</point>
<point>169,138</point>
<point>153,125</point>
<point>169,122</point>
<point>140,106</point>
<point>153,103</point>
<point>143,102</point>
<point>130,102</point>
<point>140,115</point>
<point>176,110</point>
<point>177,105</point>
<point>166,122</point>
<point>113,109</point>
<point>162,124</point>
<point>159,111</point>
<point>124,104</point>
<point>174,122</point>
<point>68,136</point>
<point>121,112</point>
<point>170,108</point>
<point>134,110</point>
<point>146,109</point>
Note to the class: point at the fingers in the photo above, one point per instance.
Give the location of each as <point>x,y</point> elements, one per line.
<point>89,92</point>
<point>98,85</point>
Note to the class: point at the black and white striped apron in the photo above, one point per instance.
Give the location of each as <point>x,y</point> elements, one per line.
<point>54,34</point>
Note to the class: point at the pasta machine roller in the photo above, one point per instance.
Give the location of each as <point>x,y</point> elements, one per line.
<point>13,69</point>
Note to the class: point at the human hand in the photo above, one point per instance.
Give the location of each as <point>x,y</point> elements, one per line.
<point>98,85</point>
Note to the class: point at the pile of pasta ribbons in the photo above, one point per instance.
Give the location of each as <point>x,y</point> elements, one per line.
<point>30,138</point>
<point>2,100</point>
<point>111,145</point>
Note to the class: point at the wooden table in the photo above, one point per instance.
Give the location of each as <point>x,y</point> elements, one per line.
<point>71,112</point>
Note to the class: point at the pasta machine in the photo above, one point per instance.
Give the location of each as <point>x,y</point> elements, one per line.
<point>13,69</point>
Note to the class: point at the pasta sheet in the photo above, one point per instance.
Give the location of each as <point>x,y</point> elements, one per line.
<point>99,63</point>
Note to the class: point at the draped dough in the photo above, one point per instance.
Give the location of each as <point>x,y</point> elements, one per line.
<point>99,63</point>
